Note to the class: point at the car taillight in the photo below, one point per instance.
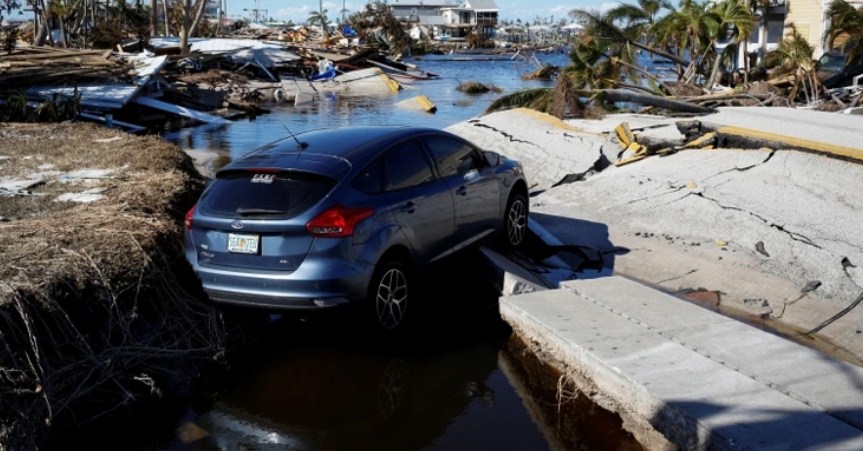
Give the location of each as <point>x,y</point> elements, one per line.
<point>188,222</point>
<point>338,221</point>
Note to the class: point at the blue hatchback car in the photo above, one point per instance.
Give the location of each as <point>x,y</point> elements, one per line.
<point>349,215</point>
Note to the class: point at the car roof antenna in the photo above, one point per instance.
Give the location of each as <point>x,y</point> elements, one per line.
<point>300,145</point>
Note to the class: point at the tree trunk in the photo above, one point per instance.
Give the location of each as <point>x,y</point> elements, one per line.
<point>661,53</point>
<point>199,14</point>
<point>154,17</point>
<point>40,36</point>
<point>714,70</point>
<point>762,35</point>
<point>190,23</point>
<point>623,95</point>
<point>165,12</point>
<point>185,27</point>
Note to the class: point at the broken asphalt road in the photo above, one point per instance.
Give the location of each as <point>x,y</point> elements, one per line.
<point>753,227</point>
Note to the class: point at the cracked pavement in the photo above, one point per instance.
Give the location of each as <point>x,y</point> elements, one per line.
<point>749,224</point>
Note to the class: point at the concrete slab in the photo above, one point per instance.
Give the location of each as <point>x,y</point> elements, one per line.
<point>701,379</point>
<point>550,150</point>
<point>802,373</point>
<point>809,131</point>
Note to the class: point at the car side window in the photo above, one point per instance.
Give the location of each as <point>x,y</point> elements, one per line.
<point>406,166</point>
<point>371,180</point>
<point>452,156</point>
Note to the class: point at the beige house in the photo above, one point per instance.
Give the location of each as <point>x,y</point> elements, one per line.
<point>808,17</point>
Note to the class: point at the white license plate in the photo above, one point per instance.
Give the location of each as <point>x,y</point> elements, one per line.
<point>243,243</point>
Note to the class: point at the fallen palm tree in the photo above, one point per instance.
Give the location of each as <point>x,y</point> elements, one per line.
<point>542,99</point>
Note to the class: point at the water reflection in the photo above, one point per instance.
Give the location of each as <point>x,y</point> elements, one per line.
<point>326,383</point>
<point>321,397</point>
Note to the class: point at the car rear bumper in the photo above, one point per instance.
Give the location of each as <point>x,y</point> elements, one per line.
<point>304,289</point>
<point>273,301</point>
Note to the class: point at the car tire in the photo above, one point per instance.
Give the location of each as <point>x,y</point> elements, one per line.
<point>389,296</point>
<point>515,221</point>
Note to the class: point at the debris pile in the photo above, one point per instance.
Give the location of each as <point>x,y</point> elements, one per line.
<point>219,78</point>
<point>37,65</point>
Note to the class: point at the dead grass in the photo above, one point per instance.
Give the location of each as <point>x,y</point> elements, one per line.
<point>44,241</point>
<point>96,305</point>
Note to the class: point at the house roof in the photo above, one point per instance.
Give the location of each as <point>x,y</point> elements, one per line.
<point>481,5</point>
<point>411,3</point>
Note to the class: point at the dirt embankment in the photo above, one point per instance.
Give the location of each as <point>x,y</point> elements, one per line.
<point>94,307</point>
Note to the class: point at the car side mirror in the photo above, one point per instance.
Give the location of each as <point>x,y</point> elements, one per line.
<point>471,175</point>
<point>492,158</point>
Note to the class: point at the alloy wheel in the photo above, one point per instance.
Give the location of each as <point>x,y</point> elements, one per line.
<point>516,221</point>
<point>391,298</point>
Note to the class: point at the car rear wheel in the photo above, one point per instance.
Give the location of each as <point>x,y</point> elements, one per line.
<point>515,220</point>
<point>389,295</point>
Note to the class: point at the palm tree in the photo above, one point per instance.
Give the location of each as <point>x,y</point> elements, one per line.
<point>794,56</point>
<point>640,17</point>
<point>732,21</point>
<point>602,30</point>
<point>846,26</point>
<point>593,62</point>
<point>691,26</point>
<point>602,25</point>
<point>320,17</point>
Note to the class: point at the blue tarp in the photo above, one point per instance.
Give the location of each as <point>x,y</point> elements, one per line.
<point>348,31</point>
<point>331,73</point>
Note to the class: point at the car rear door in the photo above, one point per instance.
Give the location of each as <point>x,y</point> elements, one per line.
<point>421,203</point>
<point>476,189</point>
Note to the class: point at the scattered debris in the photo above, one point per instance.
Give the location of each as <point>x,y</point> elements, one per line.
<point>546,72</point>
<point>85,197</point>
<point>418,103</point>
<point>475,87</point>
<point>759,246</point>
<point>811,286</point>
<point>219,77</point>
<point>632,150</point>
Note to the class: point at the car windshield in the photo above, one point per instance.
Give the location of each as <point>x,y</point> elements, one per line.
<point>831,62</point>
<point>264,194</point>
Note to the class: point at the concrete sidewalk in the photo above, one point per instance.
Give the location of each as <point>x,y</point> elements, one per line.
<point>701,379</point>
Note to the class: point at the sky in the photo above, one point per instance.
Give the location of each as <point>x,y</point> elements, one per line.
<point>298,10</point>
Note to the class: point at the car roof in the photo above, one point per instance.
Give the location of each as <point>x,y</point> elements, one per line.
<point>328,151</point>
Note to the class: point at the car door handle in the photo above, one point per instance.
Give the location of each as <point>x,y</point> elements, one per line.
<point>461,190</point>
<point>409,207</point>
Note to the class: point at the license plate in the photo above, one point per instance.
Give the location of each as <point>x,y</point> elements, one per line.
<point>243,243</point>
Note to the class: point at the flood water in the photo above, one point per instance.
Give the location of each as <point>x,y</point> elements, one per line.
<point>326,383</point>
<point>323,382</point>
<point>453,106</point>
<point>458,380</point>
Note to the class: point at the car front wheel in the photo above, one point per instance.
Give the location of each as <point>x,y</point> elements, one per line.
<point>515,220</point>
<point>389,293</point>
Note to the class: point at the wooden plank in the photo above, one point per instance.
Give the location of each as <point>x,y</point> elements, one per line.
<point>182,111</point>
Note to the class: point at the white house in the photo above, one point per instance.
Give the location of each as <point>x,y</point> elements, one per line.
<point>481,15</point>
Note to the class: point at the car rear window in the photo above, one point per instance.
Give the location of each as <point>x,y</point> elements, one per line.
<point>264,194</point>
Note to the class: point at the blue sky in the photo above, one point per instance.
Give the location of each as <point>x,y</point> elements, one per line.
<point>298,10</point>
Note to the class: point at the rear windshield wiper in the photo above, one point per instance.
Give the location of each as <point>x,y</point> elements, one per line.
<point>259,211</point>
